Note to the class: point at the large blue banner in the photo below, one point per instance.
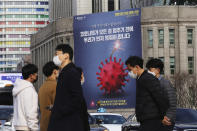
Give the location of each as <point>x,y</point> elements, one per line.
<point>102,43</point>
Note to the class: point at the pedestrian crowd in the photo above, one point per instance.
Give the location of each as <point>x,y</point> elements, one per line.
<point>60,105</point>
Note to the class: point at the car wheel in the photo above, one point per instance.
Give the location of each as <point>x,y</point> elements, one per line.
<point>124,129</point>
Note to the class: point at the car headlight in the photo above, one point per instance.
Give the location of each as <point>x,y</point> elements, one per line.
<point>105,130</point>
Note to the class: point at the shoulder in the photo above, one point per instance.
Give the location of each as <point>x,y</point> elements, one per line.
<point>148,77</point>
<point>70,73</point>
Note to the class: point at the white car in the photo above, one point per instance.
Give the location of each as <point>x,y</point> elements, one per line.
<point>111,121</point>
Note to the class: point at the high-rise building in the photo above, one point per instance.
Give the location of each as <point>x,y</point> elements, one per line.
<point>19,19</point>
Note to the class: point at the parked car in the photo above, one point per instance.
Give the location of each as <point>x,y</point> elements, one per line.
<point>6,115</point>
<point>95,124</point>
<point>186,119</point>
<point>6,118</point>
<point>111,121</point>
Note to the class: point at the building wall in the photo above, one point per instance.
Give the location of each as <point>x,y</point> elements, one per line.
<point>18,20</point>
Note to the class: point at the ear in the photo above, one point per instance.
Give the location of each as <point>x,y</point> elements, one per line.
<point>138,67</point>
<point>66,55</point>
<point>55,71</point>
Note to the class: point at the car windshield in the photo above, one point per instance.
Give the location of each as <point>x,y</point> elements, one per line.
<point>186,116</point>
<point>110,119</point>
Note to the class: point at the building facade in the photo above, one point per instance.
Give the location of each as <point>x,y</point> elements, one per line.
<point>168,33</point>
<point>67,8</point>
<point>19,19</point>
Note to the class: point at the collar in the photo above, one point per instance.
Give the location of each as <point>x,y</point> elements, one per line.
<point>160,77</point>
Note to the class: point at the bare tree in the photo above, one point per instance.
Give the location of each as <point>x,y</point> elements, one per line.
<point>186,87</point>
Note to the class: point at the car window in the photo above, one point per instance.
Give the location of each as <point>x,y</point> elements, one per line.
<point>91,120</point>
<point>110,119</point>
<point>186,116</point>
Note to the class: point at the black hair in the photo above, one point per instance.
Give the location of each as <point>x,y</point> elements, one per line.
<point>48,68</point>
<point>65,48</point>
<point>134,60</point>
<point>79,69</point>
<point>28,70</point>
<point>155,63</point>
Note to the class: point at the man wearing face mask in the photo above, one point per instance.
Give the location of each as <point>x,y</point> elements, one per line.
<point>25,100</point>
<point>66,112</point>
<point>155,66</point>
<point>151,105</point>
<point>47,93</point>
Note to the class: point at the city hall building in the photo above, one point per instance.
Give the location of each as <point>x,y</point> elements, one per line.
<point>168,33</point>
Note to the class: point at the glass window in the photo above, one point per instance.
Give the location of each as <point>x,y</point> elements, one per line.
<point>150,38</point>
<point>2,49</point>
<point>162,59</point>
<point>26,10</point>
<point>19,16</point>
<point>110,119</point>
<point>110,5</point>
<point>40,9</point>
<point>13,9</point>
<point>189,36</point>
<point>1,56</point>
<point>190,65</point>
<point>9,16</point>
<point>9,56</point>
<point>171,36</point>
<point>19,3</point>
<point>43,3</point>
<point>161,37</point>
<point>1,3</point>
<point>172,65</point>
<point>8,3</point>
<point>96,6</point>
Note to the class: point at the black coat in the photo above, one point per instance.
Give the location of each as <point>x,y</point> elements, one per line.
<point>150,100</point>
<point>67,110</point>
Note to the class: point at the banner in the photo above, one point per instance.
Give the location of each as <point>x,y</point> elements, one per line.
<point>10,76</point>
<point>102,43</point>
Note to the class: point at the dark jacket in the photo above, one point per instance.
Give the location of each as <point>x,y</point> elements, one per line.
<point>171,95</point>
<point>68,105</point>
<point>150,101</point>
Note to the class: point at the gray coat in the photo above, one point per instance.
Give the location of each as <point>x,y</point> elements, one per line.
<point>171,94</point>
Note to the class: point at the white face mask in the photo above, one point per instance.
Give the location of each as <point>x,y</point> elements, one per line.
<point>83,81</point>
<point>132,75</point>
<point>153,73</point>
<point>57,61</point>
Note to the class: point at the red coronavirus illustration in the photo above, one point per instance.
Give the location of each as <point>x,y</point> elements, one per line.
<point>112,76</point>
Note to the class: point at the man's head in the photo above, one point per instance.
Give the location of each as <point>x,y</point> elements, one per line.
<point>135,66</point>
<point>155,65</point>
<point>50,70</point>
<point>64,54</point>
<point>30,72</point>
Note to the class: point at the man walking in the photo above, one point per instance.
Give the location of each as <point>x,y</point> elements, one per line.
<point>47,93</point>
<point>155,66</point>
<point>25,100</point>
<point>66,112</point>
<point>150,102</point>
